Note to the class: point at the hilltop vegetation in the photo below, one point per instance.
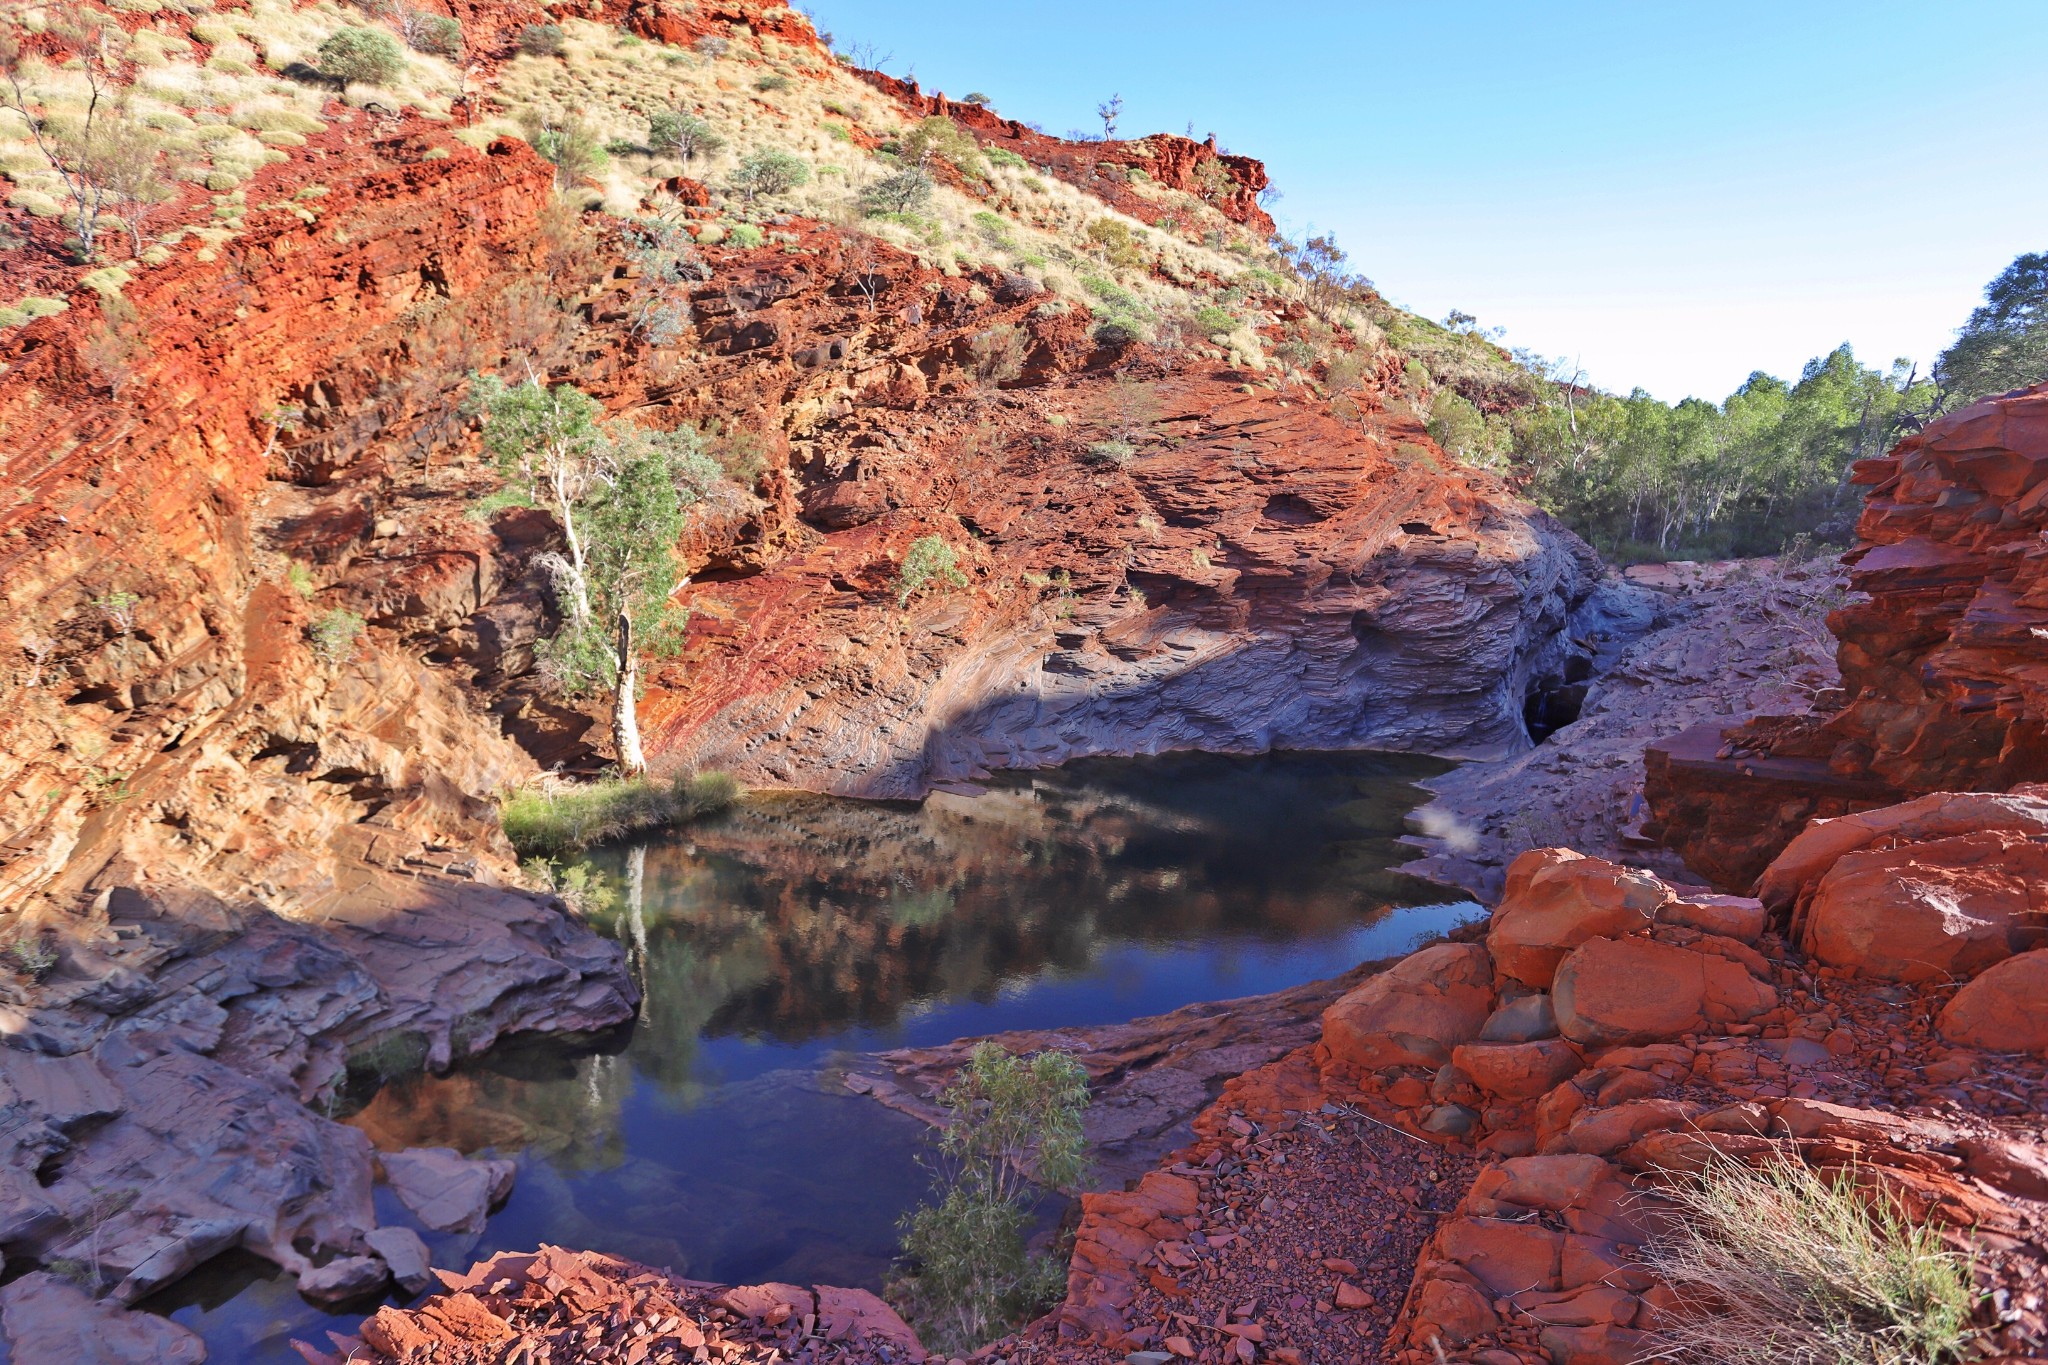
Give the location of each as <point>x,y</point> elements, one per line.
<point>1644,479</point>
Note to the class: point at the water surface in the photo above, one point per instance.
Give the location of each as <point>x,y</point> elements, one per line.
<point>781,936</point>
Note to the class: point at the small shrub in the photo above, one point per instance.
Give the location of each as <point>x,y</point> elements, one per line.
<point>574,147</point>
<point>1214,321</point>
<point>938,138</point>
<point>436,34</point>
<point>682,134</point>
<point>551,824</point>
<point>770,172</point>
<point>1116,333</point>
<point>746,236</point>
<point>1003,156</point>
<point>1115,243</point>
<point>33,958</point>
<point>360,54</point>
<point>929,560</point>
<point>711,45</point>
<point>771,82</point>
<point>970,1276</point>
<point>900,192</point>
<point>334,635</point>
<point>1116,453</point>
<point>543,40</point>
<point>299,579</point>
<point>1786,1266</point>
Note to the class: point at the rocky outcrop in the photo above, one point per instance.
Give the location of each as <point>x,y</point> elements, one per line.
<point>1650,1029</point>
<point>1664,648</point>
<point>237,872</point>
<point>1940,655</point>
<point>1271,578</point>
<point>561,1306</point>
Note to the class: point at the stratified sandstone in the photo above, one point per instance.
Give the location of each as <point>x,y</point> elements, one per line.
<point>1940,657</point>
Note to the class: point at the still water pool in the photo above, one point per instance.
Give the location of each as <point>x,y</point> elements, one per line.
<point>794,930</point>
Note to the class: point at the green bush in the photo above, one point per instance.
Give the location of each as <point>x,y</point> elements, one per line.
<point>746,236</point>
<point>1003,156</point>
<point>901,192</point>
<point>770,172</point>
<point>551,824</point>
<point>969,1276</point>
<point>439,35</point>
<point>1214,321</point>
<point>929,560</point>
<point>1117,453</point>
<point>334,635</point>
<point>360,54</point>
<point>680,133</point>
<point>543,40</point>
<point>773,81</point>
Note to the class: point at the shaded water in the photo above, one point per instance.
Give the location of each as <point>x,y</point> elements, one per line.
<point>794,929</point>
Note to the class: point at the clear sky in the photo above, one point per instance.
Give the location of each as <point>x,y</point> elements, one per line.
<point>1673,192</point>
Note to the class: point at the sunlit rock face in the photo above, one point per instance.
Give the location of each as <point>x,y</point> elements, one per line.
<point>1270,578</point>
<point>1941,688</point>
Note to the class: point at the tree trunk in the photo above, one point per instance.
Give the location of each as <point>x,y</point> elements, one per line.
<point>625,722</point>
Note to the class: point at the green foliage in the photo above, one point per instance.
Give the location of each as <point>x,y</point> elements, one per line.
<point>773,81</point>
<point>970,1277</point>
<point>683,134</point>
<point>1003,156</point>
<point>770,172</point>
<point>929,560</point>
<point>1117,453</point>
<point>552,823</point>
<point>1214,321</point>
<point>1463,432</point>
<point>1113,240</point>
<point>360,54</point>
<point>938,138</point>
<point>1644,479</point>
<point>334,635</point>
<point>745,236</point>
<point>572,144</point>
<point>2004,345</point>
<point>620,494</point>
<point>299,579</point>
<point>437,34</point>
<point>1781,1265</point>
<point>543,40</point>
<point>905,191</point>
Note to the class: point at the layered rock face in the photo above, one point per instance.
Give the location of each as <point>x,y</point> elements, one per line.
<point>236,869</point>
<point>1941,659</point>
<point>1271,579</point>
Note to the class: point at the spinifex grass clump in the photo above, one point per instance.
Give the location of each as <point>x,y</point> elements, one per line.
<point>1785,1266</point>
<point>1016,1126</point>
<point>550,823</point>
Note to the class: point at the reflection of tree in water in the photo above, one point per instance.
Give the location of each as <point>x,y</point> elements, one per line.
<point>794,916</point>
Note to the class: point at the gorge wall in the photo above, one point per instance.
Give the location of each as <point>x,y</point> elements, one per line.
<point>240,866</point>
<point>1941,656</point>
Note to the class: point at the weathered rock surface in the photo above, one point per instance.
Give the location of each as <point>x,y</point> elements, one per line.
<point>1413,1013</point>
<point>1939,656</point>
<point>444,1189</point>
<point>563,1305</point>
<point>1276,580</point>
<point>1555,900</point>
<point>2003,1010</point>
<point>48,1319</point>
<point>1671,646</point>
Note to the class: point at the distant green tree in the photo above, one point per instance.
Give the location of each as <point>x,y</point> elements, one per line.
<point>360,54</point>
<point>684,135</point>
<point>2004,345</point>
<point>770,172</point>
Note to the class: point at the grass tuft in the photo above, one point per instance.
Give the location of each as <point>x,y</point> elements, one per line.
<point>1785,1266</point>
<point>551,823</point>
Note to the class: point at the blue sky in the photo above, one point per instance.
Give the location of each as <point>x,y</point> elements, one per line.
<point>1675,194</point>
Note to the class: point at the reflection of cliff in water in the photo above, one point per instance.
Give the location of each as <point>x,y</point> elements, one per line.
<point>796,916</point>
<point>807,922</point>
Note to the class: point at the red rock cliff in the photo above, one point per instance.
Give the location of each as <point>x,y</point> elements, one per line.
<point>1944,654</point>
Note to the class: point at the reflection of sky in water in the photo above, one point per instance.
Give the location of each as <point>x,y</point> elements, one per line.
<point>798,928</point>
